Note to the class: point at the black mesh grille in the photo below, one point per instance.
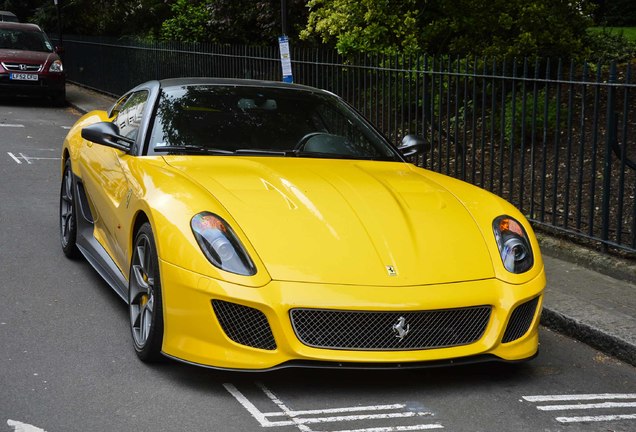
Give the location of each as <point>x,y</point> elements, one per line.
<point>362,330</point>
<point>520,320</point>
<point>244,325</point>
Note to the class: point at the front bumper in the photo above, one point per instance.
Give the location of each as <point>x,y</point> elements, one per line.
<point>193,333</point>
<point>47,85</point>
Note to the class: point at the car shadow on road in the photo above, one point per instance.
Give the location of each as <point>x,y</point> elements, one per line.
<point>28,102</point>
<point>343,381</point>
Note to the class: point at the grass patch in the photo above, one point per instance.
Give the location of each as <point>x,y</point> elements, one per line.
<point>628,32</point>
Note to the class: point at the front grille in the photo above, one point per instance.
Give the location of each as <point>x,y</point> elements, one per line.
<point>520,320</point>
<point>22,67</point>
<point>365,330</point>
<point>244,325</point>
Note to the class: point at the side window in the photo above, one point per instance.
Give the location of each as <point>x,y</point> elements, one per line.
<point>130,113</point>
<point>118,106</point>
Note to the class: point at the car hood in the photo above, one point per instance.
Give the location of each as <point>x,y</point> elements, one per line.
<point>345,222</point>
<point>21,56</point>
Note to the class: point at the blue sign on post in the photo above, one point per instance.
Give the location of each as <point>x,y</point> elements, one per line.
<point>285,59</point>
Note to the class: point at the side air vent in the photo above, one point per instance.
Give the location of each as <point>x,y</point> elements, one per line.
<point>85,208</point>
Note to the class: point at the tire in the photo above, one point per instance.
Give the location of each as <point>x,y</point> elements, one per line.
<point>68,214</point>
<point>144,297</point>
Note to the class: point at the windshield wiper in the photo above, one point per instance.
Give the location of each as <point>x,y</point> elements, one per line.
<point>264,152</point>
<point>191,150</point>
<point>325,155</point>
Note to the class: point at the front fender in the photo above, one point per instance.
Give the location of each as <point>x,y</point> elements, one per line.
<point>170,200</point>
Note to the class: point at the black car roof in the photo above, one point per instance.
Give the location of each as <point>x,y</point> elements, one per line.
<point>179,82</point>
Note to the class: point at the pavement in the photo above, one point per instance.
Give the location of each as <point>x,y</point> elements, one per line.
<point>589,296</point>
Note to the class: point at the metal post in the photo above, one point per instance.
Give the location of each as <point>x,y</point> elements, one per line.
<point>59,20</point>
<point>607,163</point>
<point>283,16</point>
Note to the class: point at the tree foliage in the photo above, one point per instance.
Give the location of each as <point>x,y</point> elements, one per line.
<point>231,21</point>
<point>365,25</point>
<point>512,28</point>
<point>94,17</point>
<point>615,12</point>
<point>461,27</point>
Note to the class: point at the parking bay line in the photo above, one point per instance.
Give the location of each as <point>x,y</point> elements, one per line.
<point>596,418</point>
<point>336,410</point>
<point>586,406</point>
<point>23,427</point>
<point>302,423</point>
<point>575,397</point>
<point>28,159</point>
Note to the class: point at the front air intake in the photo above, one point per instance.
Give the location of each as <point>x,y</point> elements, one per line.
<point>520,320</point>
<point>244,325</point>
<point>389,330</point>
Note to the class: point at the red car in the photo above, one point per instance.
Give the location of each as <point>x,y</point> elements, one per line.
<point>29,64</point>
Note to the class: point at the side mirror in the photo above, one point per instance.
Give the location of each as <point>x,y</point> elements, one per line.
<point>59,50</point>
<point>412,145</point>
<point>107,133</point>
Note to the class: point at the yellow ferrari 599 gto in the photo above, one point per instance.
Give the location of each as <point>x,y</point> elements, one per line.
<point>258,225</point>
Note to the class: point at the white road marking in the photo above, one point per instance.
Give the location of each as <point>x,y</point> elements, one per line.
<point>14,158</point>
<point>23,427</point>
<point>11,125</point>
<point>66,127</point>
<point>28,159</point>
<point>296,419</point>
<point>339,410</point>
<point>397,428</point>
<point>596,418</point>
<point>283,407</point>
<point>586,406</point>
<point>250,407</point>
<point>551,398</point>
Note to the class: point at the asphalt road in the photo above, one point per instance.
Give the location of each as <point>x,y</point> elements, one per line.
<point>67,364</point>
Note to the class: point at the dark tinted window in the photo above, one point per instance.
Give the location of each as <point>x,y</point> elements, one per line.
<point>24,40</point>
<point>264,119</point>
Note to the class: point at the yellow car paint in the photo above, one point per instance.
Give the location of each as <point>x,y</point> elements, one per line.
<point>323,233</point>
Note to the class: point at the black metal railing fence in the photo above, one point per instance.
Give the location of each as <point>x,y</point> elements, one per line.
<point>557,140</point>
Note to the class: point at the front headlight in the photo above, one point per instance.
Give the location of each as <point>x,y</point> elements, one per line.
<point>56,66</point>
<point>513,243</point>
<point>220,245</point>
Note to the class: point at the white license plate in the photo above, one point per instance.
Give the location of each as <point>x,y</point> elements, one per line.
<point>23,77</point>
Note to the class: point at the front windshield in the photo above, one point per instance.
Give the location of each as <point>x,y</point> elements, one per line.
<point>256,120</point>
<point>24,40</point>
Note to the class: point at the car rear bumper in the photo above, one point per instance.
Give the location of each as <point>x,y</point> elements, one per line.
<point>46,85</point>
<point>195,331</point>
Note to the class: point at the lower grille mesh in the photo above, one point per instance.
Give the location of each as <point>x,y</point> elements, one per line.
<point>364,330</point>
<point>520,320</point>
<point>244,325</point>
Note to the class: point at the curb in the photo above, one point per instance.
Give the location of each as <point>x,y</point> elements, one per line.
<point>604,342</point>
<point>610,265</point>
